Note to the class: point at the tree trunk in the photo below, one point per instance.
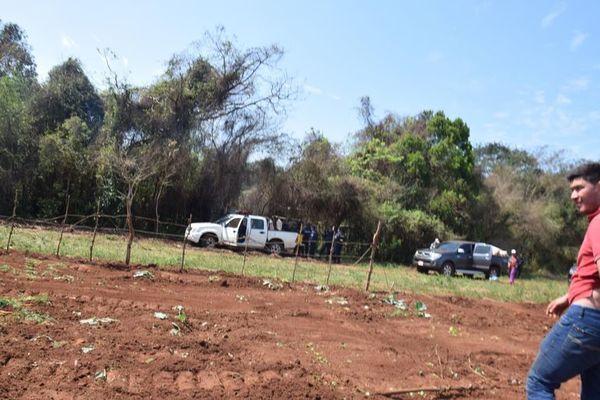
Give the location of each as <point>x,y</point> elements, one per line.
<point>128,203</point>
<point>157,198</point>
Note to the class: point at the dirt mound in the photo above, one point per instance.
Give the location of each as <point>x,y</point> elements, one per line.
<point>71,330</point>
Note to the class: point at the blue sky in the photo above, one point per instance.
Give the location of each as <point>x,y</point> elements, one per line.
<point>524,73</point>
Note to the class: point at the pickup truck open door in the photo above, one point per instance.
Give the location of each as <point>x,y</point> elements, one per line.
<point>230,231</point>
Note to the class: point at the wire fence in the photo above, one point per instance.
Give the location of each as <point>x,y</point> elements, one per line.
<point>325,249</point>
<point>350,251</point>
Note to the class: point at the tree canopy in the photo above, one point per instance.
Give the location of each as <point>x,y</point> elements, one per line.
<point>205,139</point>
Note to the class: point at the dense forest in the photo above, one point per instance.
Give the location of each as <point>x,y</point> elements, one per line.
<point>205,138</point>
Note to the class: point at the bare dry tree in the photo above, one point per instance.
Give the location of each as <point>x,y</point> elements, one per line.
<point>133,167</point>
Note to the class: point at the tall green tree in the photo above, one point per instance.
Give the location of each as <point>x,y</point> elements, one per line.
<point>15,53</point>
<point>66,166</point>
<point>66,93</point>
<point>423,163</point>
<point>17,143</point>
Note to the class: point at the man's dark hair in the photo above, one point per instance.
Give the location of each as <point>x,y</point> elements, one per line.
<point>589,172</point>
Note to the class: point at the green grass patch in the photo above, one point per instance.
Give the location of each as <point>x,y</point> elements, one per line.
<point>19,308</point>
<point>5,268</point>
<point>386,277</point>
<point>41,298</point>
<point>31,266</point>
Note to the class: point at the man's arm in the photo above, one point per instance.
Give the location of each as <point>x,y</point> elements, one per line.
<point>557,306</point>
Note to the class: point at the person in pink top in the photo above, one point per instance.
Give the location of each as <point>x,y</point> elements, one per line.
<point>572,347</point>
<point>512,266</point>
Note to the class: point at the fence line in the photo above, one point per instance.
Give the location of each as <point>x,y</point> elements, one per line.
<point>97,221</point>
<point>311,273</point>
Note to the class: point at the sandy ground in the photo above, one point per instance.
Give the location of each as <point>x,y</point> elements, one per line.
<point>242,337</point>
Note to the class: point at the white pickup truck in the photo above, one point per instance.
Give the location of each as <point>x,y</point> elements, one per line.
<point>234,229</point>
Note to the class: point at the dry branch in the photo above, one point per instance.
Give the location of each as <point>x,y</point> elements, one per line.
<point>441,389</point>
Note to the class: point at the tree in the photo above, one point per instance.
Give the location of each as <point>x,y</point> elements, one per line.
<point>17,144</point>
<point>15,54</point>
<point>65,167</point>
<point>68,92</point>
<point>167,167</point>
<point>131,167</point>
<point>527,205</point>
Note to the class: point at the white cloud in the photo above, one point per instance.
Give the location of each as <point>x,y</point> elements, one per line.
<point>562,99</point>
<point>544,118</point>
<point>68,42</point>
<point>552,16</point>
<point>335,97</point>
<point>577,84</point>
<point>312,89</point>
<point>125,61</point>
<point>578,39</point>
<point>594,115</point>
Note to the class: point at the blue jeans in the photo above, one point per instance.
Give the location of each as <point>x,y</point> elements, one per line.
<point>571,348</point>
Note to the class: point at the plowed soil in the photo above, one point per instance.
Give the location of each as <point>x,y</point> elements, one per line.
<point>242,337</point>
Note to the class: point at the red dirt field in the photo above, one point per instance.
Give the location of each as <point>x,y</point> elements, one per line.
<point>244,339</point>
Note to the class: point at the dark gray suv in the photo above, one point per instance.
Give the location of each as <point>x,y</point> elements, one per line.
<point>464,257</point>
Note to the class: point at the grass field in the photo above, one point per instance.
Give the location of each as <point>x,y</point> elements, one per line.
<point>386,277</point>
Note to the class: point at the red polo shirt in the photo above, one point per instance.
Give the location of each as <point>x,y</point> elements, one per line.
<point>586,279</point>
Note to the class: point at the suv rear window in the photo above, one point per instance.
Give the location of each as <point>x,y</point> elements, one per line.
<point>482,249</point>
<point>447,246</point>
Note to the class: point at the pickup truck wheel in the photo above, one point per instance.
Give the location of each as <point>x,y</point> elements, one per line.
<point>208,240</point>
<point>275,247</point>
<point>447,269</point>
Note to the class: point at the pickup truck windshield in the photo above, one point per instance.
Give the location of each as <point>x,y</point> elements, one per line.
<point>222,219</point>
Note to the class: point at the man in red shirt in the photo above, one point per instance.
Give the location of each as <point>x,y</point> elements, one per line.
<point>572,347</point>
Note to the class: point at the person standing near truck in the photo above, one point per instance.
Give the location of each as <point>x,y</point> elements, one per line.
<point>572,347</point>
<point>338,242</point>
<point>327,238</point>
<point>512,266</point>
<point>520,264</point>
<point>312,241</point>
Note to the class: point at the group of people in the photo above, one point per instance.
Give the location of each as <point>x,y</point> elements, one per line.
<point>309,241</point>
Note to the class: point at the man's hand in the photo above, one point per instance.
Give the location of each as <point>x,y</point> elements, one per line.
<point>557,306</point>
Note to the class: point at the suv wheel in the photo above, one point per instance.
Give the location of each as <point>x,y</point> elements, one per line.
<point>447,269</point>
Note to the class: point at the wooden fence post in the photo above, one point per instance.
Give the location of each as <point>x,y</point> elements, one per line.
<point>62,226</point>
<point>12,225</point>
<point>185,236</point>
<point>331,256</point>
<point>299,240</point>
<point>373,247</point>
<point>96,218</point>
<point>246,240</point>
